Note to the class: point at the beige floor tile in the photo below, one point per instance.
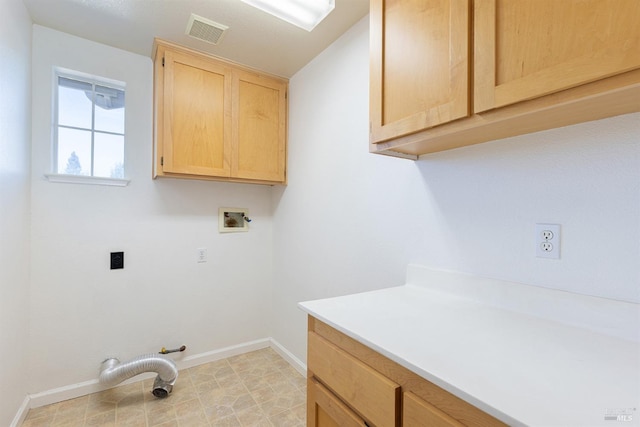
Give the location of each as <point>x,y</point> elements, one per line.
<point>38,422</point>
<point>97,407</point>
<point>256,389</point>
<point>205,386</point>
<point>160,414</point>
<point>189,409</point>
<point>286,419</point>
<point>263,395</point>
<point>42,412</point>
<point>104,419</point>
<point>300,411</point>
<point>230,421</point>
<point>193,422</point>
<point>253,417</point>
<point>172,423</point>
<point>231,380</point>
<point>224,371</point>
<point>133,416</point>
<point>69,414</point>
<point>218,412</point>
<point>283,403</point>
<point>243,402</point>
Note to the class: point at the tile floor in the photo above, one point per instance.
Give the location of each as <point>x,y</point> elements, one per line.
<point>253,389</point>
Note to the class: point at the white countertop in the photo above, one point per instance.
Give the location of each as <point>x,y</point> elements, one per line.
<point>526,355</point>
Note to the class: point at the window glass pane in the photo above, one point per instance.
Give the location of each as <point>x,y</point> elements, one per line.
<point>74,151</point>
<point>109,109</point>
<point>74,106</point>
<point>109,155</point>
<point>96,112</point>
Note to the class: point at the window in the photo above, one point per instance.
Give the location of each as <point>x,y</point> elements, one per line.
<point>89,127</point>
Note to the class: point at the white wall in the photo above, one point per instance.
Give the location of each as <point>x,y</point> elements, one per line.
<point>15,119</point>
<point>585,177</point>
<point>82,312</point>
<point>351,221</point>
<point>348,221</point>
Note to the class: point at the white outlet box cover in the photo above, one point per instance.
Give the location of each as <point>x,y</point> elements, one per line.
<point>201,255</point>
<point>547,247</point>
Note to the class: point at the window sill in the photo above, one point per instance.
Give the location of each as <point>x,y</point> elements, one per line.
<point>92,180</point>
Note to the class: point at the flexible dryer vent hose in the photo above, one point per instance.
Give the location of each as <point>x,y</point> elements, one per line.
<point>113,372</point>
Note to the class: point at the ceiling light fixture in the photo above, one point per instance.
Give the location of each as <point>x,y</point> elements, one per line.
<point>305,14</point>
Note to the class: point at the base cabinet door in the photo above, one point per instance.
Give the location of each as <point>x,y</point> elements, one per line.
<point>419,413</point>
<point>364,389</point>
<point>326,410</point>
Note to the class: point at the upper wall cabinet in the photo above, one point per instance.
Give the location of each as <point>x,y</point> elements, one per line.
<point>410,89</point>
<point>451,73</point>
<point>259,127</point>
<point>525,49</point>
<point>216,120</point>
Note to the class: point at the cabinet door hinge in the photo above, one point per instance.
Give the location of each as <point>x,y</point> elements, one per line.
<point>161,161</point>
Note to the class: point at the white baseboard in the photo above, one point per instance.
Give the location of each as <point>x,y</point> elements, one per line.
<point>72,391</point>
<point>289,357</point>
<point>93,386</point>
<point>22,413</point>
<point>223,353</point>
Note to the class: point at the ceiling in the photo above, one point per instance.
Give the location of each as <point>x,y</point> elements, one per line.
<point>254,38</point>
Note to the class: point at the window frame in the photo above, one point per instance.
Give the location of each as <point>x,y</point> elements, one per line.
<point>55,175</point>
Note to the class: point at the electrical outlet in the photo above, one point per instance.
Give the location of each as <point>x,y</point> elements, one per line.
<point>546,246</point>
<point>117,260</point>
<point>202,255</point>
<point>547,240</point>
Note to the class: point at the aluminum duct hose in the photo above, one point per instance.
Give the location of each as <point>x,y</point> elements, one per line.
<point>113,372</point>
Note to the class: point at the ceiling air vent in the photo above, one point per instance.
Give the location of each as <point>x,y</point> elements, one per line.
<point>205,30</point>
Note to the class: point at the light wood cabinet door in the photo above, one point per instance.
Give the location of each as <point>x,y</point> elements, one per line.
<point>217,120</point>
<point>524,49</point>
<point>419,69</point>
<point>419,413</point>
<point>259,127</point>
<point>196,128</point>
<point>366,390</point>
<point>326,410</point>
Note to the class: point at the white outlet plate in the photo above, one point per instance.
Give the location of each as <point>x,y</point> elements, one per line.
<point>201,255</point>
<point>547,239</point>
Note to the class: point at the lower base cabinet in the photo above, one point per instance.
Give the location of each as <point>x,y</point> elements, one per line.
<point>417,413</point>
<point>327,410</point>
<point>350,385</point>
